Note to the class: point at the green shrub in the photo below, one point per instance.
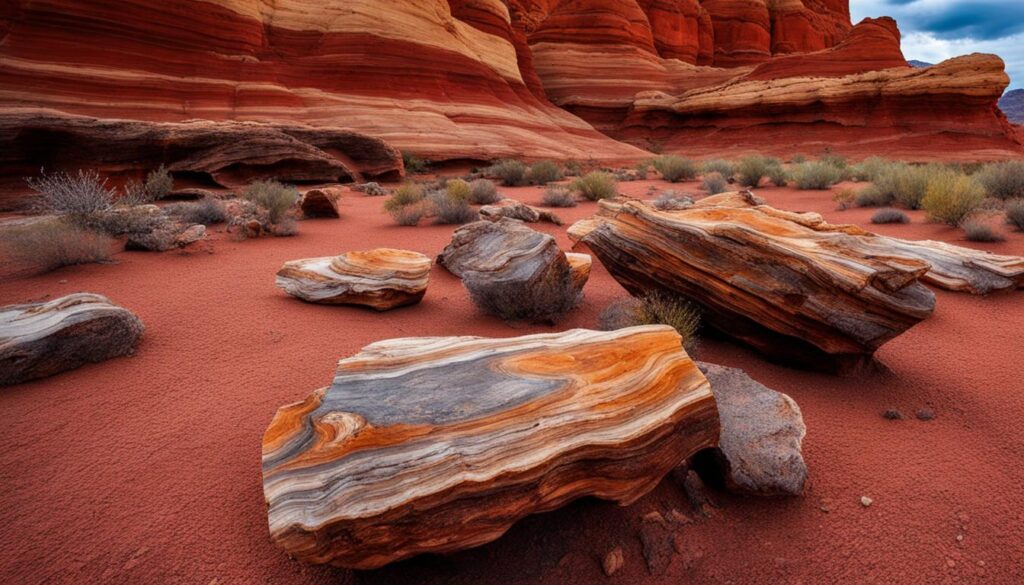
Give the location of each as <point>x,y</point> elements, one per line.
<point>276,198</point>
<point>205,211</point>
<point>544,172</point>
<point>557,196</point>
<point>845,198</point>
<point>159,183</point>
<point>799,159</point>
<point>675,168</point>
<point>53,243</point>
<point>457,189</point>
<point>778,176</point>
<point>1003,180</point>
<point>595,186</point>
<point>889,215</point>
<point>722,167</point>
<point>64,194</point>
<point>951,197</point>
<point>751,169</point>
<point>511,172</point>
<point>654,309</point>
<point>1015,213</point>
<point>414,164</point>
<point>483,192</point>
<point>902,183</point>
<point>816,175</point>
<point>869,168</point>
<point>834,160</point>
<point>979,232</point>
<point>714,183</point>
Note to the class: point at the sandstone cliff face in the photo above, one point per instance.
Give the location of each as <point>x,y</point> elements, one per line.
<point>484,79</point>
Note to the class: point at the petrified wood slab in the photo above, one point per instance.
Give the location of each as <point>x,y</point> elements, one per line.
<point>579,268</point>
<point>42,339</point>
<point>512,270</point>
<point>383,279</point>
<point>799,295</point>
<point>513,209</point>
<point>441,444</point>
<point>323,202</point>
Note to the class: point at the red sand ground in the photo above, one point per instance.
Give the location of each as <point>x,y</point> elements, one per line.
<point>147,469</point>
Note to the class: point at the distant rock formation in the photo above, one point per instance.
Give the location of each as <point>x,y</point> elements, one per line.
<point>1012,104</point>
<point>919,64</point>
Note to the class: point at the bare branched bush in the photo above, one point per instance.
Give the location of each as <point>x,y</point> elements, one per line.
<point>83,193</point>
<point>159,183</point>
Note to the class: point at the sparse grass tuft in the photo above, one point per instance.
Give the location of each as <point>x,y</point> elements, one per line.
<point>1003,180</point>
<point>654,309</point>
<point>675,168</point>
<point>276,198</point>
<point>845,198</point>
<point>889,215</point>
<point>51,244</point>
<point>595,186</point>
<point>557,196</point>
<point>979,232</point>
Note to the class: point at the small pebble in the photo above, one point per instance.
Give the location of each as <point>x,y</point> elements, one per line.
<point>959,537</point>
<point>613,561</point>
<point>925,414</point>
<point>950,563</point>
<point>866,501</point>
<point>892,414</point>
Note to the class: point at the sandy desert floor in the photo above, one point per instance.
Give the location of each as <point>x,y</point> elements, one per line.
<point>147,469</point>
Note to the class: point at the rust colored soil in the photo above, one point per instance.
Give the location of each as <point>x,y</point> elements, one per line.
<point>147,469</point>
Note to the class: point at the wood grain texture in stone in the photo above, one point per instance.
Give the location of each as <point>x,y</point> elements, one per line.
<point>43,339</point>
<point>382,279</point>
<point>441,444</point>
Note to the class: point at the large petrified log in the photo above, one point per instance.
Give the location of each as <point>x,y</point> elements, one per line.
<point>42,339</point>
<point>229,153</point>
<point>513,271</point>
<point>383,279</point>
<point>812,298</point>
<point>440,444</point>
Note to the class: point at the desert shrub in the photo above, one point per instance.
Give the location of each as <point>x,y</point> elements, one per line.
<point>871,197</point>
<point>979,232</point>
<point>902,183</point>
<point>51,244</point>
<point>1015,213</point>
<point>572,168</point>
<point>408,215</point>
<point>816,175</point>
<point>544,172</point>
<point>122,220</point>
<point>159,183</point>
<point>595,186</point>
<point>1003,180</point>
<point>287,227</point>
<point>869,168</point>
<point>722,167</point>
<point>511,172</point>
<point>714,183</point>
<point>845,198</point>
<point>407,194</point>
<point>778,176</point>
<point>276,198</point>
<point>951,197</point>
<point>672,201</point>
<point>63,194</point>
<point>204,211</point>
<point>414,164</point>
<point>643,168</point>
<point>134,193</point>
<point>675,168</point>
<point>483,192</point>
<point>457,189</point>
<point>556,196</point>
<point>751,169</point>
<point>654,309</point>
<point>544,301</point>
<point>834,160</point>
<point>448,210</point>
<point>889,215</point>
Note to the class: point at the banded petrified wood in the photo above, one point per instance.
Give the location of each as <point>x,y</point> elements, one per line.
<point>799,295</point>
<point>382,279</point>
<point>440,444</point>
<point>42,339</point>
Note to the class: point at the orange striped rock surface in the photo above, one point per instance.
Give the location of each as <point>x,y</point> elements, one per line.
<point>440,444</point>
<point>383,278</point>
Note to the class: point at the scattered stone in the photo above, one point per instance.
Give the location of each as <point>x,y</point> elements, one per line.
<point>192,234</point>
<point>657,540</point>
<point>382,279</point>
<point>697,494</point>
<point>677,517</point>
<point>761,435</point>
<point>323,202</point>
<point>613,561</point>
<point>43,339</point>
<point>372,189</point>
<point>866,501</point>
<point>168,235</point>
<point>892,414</point>
<point>513,209</point>
<point>421,412</point>
<point>925,414</point>
<point>192,193</point>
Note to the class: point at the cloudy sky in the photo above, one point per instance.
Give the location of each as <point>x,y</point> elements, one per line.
<point>934,30</point>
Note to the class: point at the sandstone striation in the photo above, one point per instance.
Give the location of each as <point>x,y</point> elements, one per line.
<point>382,279</point>
<point>800,294</point>
<point>440,444</point>
<point>43,339</point>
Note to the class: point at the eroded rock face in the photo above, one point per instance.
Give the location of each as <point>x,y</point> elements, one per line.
<point>800,291</point>
<point>43,339</point>
<point>513,271</point>
<point>762,433</point>
<point>440,444</point>
<point>382,279</point>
